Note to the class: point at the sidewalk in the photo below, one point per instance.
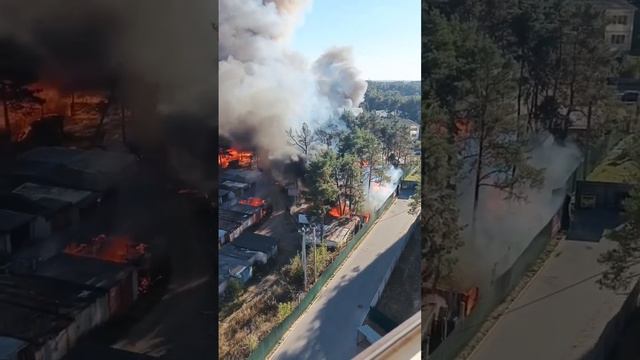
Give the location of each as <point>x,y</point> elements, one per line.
<point>562,312</point>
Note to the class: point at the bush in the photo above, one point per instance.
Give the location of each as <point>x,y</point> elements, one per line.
<point>234,289</point>
<point>293,271</point>
<point>285,309</point>
<point>251,341</point>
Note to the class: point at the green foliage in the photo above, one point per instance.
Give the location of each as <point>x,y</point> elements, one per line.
<point>294,271</point>
<point>234,289</point>
<point>285,309</point>
<point>320,254</point>
<point>400,97</point>
<point>439,218</point>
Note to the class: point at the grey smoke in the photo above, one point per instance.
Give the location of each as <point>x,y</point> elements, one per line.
<point>504,228</point>
<point>266,87</point>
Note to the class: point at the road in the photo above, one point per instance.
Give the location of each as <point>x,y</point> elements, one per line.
<point>560,314</point>
<point>328,329</point>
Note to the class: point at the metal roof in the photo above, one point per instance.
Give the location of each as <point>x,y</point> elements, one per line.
<point>257,242</point>
<point>10,220</point>
<point>38,191</point>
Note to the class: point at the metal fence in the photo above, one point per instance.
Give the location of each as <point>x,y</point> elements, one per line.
<point>494,294</point>
<point>270,341</point>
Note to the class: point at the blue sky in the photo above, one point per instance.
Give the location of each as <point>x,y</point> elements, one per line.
<point>384,35</point>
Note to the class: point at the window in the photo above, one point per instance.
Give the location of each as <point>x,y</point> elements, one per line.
<point>617,39</point>
<point>618,20</point>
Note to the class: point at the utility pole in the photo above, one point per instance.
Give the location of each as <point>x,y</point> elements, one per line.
<point>315,255</point>
<point>304,256</point>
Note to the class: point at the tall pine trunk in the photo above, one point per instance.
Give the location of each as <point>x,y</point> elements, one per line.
<point>5,108</point>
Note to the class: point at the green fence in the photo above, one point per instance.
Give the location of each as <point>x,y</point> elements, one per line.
<point>270,341</point>
<point>492,295</point>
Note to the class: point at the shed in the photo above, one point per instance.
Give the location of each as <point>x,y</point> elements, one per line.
<point>83,202</point>
<point>250,256</point>
<point>257,242</point>
<point>235,268</point>
<point>80,308</point>
<point>56,213</point>
<point>16,230</point>
<point>610,182</point>
<point>119,280</point>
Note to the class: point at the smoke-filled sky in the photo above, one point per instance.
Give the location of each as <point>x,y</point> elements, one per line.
<point>266,87</point>
<point>384,34</point>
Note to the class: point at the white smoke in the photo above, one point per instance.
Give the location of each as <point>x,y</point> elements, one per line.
<point>265,87</point>
<point>504,228</point>
<point>380,192</point>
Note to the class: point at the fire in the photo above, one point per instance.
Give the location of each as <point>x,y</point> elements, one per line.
<point>76,107</point>
<point>252,201</point>
<point>235,157</point>
<point>115,249</point>
<point>340,210</point>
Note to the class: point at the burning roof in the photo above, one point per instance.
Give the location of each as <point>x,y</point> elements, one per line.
<point>234,158</point>
<point>115,249</point>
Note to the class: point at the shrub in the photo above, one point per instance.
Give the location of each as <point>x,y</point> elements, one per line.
<point>285,309</point>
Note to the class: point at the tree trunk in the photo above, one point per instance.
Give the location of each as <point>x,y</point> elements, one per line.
<point>476,190</point>
<point>520,85</point>
<point>5,107</point>
<point>123,124</point>
<point>587,142</point>
<point>103,115</point>
<point>72,107</point>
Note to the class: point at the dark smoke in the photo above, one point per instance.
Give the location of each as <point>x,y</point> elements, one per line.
<point>158,57</point>
<point>94,43</point>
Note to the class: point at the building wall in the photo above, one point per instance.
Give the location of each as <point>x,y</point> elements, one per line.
<point>614,29</point>
<point>42,228</point>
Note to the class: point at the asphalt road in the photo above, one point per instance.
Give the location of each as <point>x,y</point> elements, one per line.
<point>328,329</point>
<point>560,314</point>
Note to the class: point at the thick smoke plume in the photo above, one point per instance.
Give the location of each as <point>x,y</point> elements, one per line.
<point>504,228</point>
<point>146,50</point>
<point>266,87</point>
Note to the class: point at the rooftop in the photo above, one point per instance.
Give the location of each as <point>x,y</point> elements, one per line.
<point>42,207</point>
<point>618,167</point>
<point>93,161</point>
<point>81,270</point>
<point>31,325</point>
<point>257,242</point>
<point>46,295</point>
<point>10,220</point>
<point>612,4</point>
<point>38,191</point>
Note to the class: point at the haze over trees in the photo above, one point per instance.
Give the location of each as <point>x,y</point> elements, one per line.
<point>496,75</point>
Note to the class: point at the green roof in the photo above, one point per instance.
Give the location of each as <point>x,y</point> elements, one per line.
<point>414,176</point>
<point>618,167</point>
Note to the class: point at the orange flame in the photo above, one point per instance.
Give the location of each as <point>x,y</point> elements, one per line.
<point>243,158</point>
<point>252,201</point>
<point>115,249</point>
<point>340,210</point>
